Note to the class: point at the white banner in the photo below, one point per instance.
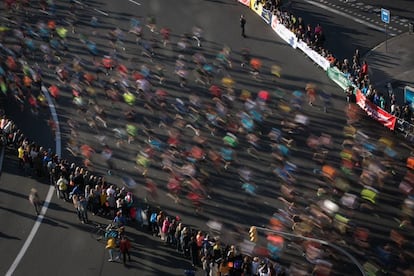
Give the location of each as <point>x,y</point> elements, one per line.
<point>284,32</point>
<point>273,22</point>
<point>313,55</point>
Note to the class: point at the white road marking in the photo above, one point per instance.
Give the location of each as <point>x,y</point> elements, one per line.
<point>32,233</point>
<point>101,12</point>
<point>134,2</point>
<point>49,195</point>
<point>378,28</point>
<point>79,3</point>
<point>55,118</point>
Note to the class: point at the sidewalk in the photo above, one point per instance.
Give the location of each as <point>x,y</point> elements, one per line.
<point>392,62</point>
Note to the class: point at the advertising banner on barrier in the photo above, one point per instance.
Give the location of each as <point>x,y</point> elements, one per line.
<point>266,15</point>
<point>313,55</point>
<point>256,6</point>
<point>284,33</point>
<point>338,77</point>
<point>409,96</point>
<point>375,112</point>
<point>273,22</point>
<point>245,2</point>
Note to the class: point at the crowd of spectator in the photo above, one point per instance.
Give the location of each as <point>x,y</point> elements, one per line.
<point>90,193</point>
<point>206,250</point>
<point>356,69</point>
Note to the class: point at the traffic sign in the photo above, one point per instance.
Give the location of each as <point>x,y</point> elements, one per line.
<point>385,16</point>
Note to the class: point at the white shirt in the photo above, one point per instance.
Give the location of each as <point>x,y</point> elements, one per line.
<point>110,191</point>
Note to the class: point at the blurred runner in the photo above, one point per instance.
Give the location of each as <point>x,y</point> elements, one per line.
<point>35,200</point>
<point>311,93</point>
<point>197,33</point>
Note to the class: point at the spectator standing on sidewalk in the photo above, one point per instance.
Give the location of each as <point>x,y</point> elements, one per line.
<point>62,185</point>
<point>34,200</point>
<point>364,69</point>
<point>20,155</point>
<point>124,248</point>
<point>242,25</point>
<point>111,246</point>
<point>83,209</point>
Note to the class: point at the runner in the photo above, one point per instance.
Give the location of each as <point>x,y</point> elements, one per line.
<point>311,93</point>
<point>35,200</point>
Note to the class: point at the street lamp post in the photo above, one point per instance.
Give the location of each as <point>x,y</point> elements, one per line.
<point>323,242</point>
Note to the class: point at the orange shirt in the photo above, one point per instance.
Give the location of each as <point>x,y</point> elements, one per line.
<point>27,81</point>
<point>410,162</point>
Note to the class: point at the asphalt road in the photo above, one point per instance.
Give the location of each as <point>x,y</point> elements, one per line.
<point>353,24</point>
<point>63,246</point>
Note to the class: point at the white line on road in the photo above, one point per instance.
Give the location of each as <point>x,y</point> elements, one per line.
<point>80,3</point>
<point>345,15</point>
<point>32,233</point>
<point>101,12</point>
<point>134,2</point>
<point>49,195</point>
<point>56,119</point>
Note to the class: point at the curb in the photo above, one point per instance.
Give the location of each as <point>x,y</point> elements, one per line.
<point>391,79</point>
<point>383,43</point>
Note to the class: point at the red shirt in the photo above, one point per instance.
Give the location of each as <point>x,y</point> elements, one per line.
<point>364,69</point>
<point>124,245</point>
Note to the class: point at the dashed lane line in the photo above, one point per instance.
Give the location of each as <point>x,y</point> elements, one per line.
<point>322,6</point>
<point>101,12</point>
<point>134,2</point>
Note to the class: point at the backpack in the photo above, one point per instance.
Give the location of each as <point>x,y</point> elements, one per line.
<point>153,218</point>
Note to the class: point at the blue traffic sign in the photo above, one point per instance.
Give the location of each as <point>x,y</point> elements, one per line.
<point>385,16</point>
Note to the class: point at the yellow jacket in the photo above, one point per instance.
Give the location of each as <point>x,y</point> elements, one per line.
<point>110,244</point>
<point>20,152</point>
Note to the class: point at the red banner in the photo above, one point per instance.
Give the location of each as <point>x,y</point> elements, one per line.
<point>245,2</point>
<point>378,114</point>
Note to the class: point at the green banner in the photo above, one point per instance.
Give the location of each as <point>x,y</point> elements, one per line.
<point>338,77</point>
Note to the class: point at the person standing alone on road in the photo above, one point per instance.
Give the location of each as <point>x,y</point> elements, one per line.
<point>242,25</point>
<point>34,200</point>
